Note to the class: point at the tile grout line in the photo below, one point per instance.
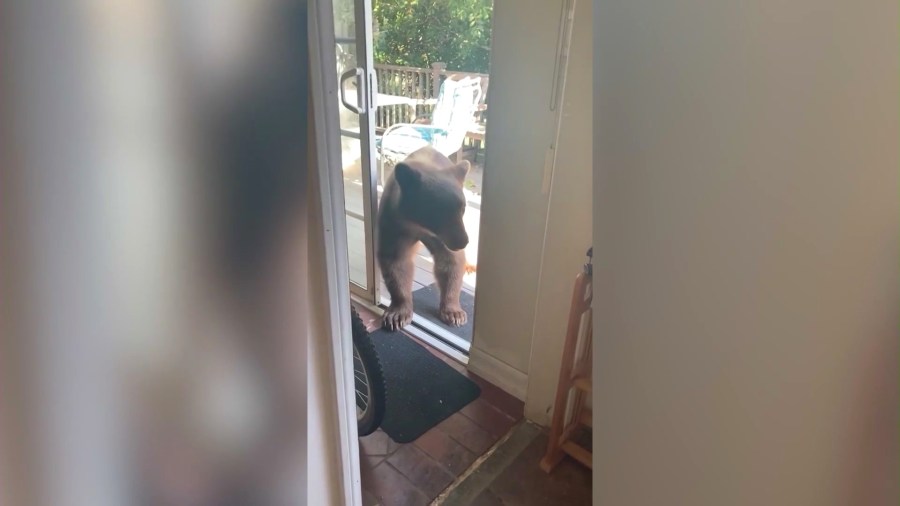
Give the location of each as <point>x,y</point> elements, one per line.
<point>429,457</point>
<point>404,476</point>
<point>457,441</point>
<point>492,407</point>
<point>524,432</point>
<point>487,429</point>
<point>451,472</point>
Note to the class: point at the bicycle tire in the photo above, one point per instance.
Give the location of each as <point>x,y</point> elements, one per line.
<point>373,413</point>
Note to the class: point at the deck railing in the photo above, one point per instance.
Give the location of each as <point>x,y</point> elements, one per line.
<point>420,84</point>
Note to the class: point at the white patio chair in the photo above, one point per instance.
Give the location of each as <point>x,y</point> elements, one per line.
<point>451,119</point>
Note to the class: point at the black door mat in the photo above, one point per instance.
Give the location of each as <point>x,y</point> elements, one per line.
<point>421,389</point>
<point>427,303</point>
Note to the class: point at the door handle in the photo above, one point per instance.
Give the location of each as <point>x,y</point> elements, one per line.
<point>360,97</point>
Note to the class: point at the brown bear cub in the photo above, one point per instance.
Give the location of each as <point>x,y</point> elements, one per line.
<point>423,202</point>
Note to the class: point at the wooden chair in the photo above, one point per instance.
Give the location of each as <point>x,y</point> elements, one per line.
<point>574,387</point>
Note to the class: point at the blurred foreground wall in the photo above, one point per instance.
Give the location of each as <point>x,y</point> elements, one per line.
<point>154,312</point>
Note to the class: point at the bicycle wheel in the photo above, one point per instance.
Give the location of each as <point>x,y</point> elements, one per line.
<point>369,379</point>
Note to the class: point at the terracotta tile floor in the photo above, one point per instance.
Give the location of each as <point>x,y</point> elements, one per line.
<point>415,473</point>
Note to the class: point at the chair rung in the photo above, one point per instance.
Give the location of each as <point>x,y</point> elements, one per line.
<point>578,453</point>
<point>587,418</point>
<point>582,383</point>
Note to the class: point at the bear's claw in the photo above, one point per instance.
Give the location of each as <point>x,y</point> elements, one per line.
<point>455,317</point>
<point>397,317</point>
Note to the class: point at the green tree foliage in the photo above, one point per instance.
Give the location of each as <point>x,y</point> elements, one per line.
<point>417,33</point>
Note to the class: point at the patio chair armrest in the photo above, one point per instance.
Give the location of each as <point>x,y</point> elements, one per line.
<point>423,126</point>
<point>436,136</point>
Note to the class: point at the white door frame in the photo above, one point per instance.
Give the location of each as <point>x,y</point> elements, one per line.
<point>331,192</point>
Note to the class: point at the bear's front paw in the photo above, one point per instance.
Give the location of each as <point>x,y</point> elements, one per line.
<point>397,317</point>
<point>454,316</point>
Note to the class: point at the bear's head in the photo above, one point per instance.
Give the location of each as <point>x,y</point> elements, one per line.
<point>433,199</point>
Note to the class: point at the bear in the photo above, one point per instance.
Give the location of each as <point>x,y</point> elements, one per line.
<point>423,203</point>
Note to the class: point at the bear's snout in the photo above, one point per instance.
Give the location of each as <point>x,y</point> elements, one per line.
<point>458,242</point>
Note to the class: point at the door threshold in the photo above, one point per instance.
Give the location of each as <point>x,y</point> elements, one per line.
<point>445,335</point>
<point>424,335</point>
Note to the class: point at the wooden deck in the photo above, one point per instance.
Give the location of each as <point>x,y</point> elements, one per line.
<point>424,262</point>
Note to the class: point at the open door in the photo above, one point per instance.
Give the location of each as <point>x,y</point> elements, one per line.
<point>357,94</point>
<point>356,98</point>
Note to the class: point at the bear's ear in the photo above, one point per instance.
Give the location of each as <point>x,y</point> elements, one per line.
<point>460,171</point>
<point>407,176</point>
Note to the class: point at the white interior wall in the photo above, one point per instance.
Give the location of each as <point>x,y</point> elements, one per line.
<point>746,296</point>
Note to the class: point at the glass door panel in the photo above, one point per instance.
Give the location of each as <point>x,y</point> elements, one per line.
<point>353,57</point>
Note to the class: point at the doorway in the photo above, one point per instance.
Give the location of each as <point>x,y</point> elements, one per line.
<point>377,96</point>
<point>531,70</point>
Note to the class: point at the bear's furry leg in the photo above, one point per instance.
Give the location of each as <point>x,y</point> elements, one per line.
<point>398,271</point>
<point>449,268</point>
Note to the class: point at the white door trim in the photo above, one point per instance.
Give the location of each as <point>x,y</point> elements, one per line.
<point>325,89</point>
<point>494,370</point>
